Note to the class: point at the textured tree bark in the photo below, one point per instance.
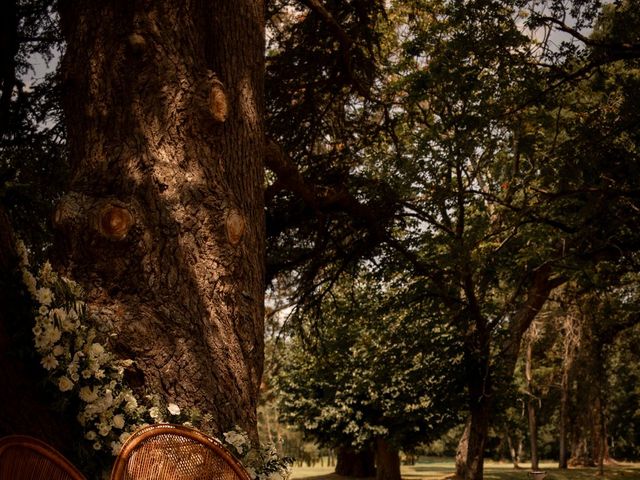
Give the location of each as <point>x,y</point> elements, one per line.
<point>387,461</point>
<point>351,463</point>
<point>163,222</point>
<point>478,372</point>
<point>470,454</point>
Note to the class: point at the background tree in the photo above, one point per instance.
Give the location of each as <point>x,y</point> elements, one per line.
<point>367,373</point>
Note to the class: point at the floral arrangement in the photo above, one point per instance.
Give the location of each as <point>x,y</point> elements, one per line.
<point>84,369</point>
<point>262,463</point>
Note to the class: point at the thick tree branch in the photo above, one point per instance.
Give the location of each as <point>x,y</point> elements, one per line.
<point>541,286</point>
<point>616,50</point>
<point>323,200</point>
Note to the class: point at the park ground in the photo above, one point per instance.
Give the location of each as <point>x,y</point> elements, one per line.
<point>438,469</point>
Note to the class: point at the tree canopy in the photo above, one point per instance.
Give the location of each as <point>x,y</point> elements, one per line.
<point>463,160</point>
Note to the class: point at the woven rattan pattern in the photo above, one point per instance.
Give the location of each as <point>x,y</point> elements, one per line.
<point>176,458</point>
<point>163,452</point>
<point>25,458</point>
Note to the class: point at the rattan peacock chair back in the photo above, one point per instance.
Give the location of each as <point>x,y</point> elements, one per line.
<point>175,452</point>
<point>27,458</point>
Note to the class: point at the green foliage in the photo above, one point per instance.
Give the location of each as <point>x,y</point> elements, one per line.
<point>368,367</point>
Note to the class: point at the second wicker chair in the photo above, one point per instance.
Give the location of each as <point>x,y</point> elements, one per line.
<point>27,458</point>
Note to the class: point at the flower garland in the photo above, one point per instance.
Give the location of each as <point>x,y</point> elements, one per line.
<point>82,367</point>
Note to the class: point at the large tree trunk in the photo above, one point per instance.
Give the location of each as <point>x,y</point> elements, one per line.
<point>387,461</point>
<point>163,222</point>
<point>470,455</point>
<point>478,372</point>
<point>352,463</point>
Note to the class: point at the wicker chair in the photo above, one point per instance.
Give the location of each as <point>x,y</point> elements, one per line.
<point>26,458</point>
<point>175,452</point>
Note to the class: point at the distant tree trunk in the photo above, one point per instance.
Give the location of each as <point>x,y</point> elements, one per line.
<point>514,454</point>
<point>571,333</point>
<point>531,406</point>
<point>352,463</point>
<point>564,407</point>
<point>602,437</point>
<point>163,222</point>
<point>387,461</point>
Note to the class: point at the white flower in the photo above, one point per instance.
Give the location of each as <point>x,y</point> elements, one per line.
<point>23,256</point>
<point>124,436</point>
<point>49,362</point>
<point>49,337</point>
<point>95,350</point>
<point>90,435</point>
<point>43,310</point>
<point>97,446</point>
<point>277,475</point>
<point>44,296</point>
<point>64,384</point>
<point>173,409</point>
<point>29,282</point>
<point>115,448</point>
<point>88,394</point>
<point>104,429</point>
<point>118,421</point>
<point>58,350</point>
<point>236,439</point>
<point>154,412</point>
<point>46,273</point>
<point>131,404</point>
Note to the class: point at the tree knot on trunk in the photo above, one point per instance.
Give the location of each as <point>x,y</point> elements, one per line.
<point>137,43</point>
<point>218,105</point>
<point>235,227</point>
<point>111,218</point>
<point>115,221</point>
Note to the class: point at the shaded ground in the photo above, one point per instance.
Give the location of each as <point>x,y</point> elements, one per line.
<point>440,468</point>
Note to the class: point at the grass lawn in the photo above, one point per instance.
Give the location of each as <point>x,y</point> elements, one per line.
<point>437,469</point>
